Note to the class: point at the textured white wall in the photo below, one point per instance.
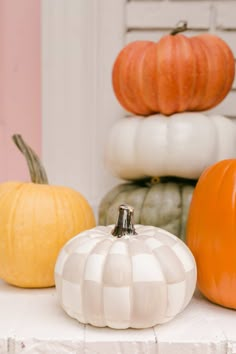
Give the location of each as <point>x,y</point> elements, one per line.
<point>80,40</point>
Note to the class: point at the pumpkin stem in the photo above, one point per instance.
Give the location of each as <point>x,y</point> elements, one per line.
<point>180,27</point>
<point>124,225</point>
<point>155,180</point>
<point>36,169</point>
<point>166,179</point>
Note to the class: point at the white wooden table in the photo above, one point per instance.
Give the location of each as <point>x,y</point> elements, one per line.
<point>31,321</point>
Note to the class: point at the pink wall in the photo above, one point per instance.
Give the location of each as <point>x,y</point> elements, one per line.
<point>20,83</point>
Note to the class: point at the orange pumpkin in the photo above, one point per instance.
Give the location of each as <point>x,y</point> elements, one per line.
<point>37,219</point>
<point>173,75</point>
<point>211,232</point>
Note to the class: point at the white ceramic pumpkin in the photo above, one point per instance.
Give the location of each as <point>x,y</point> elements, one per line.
<point>125,276</point>
<point>181,145</point>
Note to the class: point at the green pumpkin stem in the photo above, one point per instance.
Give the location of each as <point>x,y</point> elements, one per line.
<point>36,169</point>
<point>124,225</point>
<point>167,179</point>
<point>180,27</point>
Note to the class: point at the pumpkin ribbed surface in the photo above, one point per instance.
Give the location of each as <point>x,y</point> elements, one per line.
<point>175,74</point>
<point>182,145</point>
<point>211,232</point>
<point>133,281</point>
<point>36,221</point>
<point>163,204</point>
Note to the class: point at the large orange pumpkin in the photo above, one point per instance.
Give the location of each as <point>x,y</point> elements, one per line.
<point>211,232</point>
<point>37,219</point>
<point>173,75</point>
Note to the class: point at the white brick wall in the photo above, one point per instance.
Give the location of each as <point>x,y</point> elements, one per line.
<point>152,19</point>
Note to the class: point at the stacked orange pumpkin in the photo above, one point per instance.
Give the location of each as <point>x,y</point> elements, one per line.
<point>176,74</point>
<point>168,141</point>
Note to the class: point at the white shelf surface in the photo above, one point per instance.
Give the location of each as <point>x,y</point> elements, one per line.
<point>31,321</point>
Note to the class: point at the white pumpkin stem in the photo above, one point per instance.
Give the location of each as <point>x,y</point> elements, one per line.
<point>180,27</point>
<point>36,169</point>
<point>124,225</point>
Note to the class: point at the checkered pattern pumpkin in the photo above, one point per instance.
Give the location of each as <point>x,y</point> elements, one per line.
<point>125,276</point>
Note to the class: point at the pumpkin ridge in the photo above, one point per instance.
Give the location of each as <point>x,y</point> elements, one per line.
<point>131,289</point>
<point>142,205</point>
<point>234,228</point>
<point>104,265</point>
<point>148,193</point>
<point>213,255</point>
<point>129,89</point>
<point>184,94</point>
<point>214,99</point>
<point>228,77</point>
<point>196,199</point>
<point>55,202</point>
<point>117,72</point>
<point>197,222</point>
<point>13,213</point>
<point>178,217</point>
<point>5,193</point>
<point>157,82</point>
<point>221,292</point>
<point>161,267</point>
<point>33,257</point>
<point>201,94</point>
<point>156,257</point>
<point>224,89</point>
<point>194,98</point>
<point>85,315</point>
<point>39,263</point>
<point>82,284</point>
<point>167,79</point>
<point>149,88</point>
<point>141,82</point>
<point>9,233</point>
<point>128,103</point>
<point>10,187</point>
<point>34,239</point>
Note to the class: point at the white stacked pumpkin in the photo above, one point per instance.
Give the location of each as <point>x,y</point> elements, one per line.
<point>182,145</point>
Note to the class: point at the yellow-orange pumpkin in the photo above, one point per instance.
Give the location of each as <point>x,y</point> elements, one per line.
<point>173,75</point>
<point>37,219</point>
<point>211,232</point>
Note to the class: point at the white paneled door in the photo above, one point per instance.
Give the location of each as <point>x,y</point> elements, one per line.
<point>80,40</point>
